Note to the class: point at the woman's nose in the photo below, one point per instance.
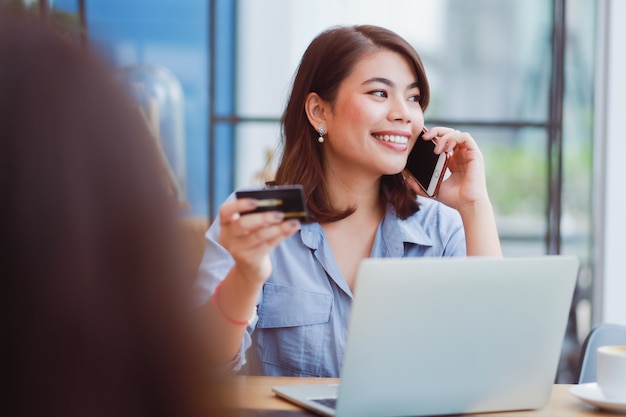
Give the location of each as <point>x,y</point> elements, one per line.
<point>399,110</point>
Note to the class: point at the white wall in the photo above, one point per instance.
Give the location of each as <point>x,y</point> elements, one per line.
<point>610,282</point>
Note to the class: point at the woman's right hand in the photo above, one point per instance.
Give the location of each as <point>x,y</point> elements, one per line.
<point>249,238</point>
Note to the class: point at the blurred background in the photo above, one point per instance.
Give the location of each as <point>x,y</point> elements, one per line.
<point>521,76</point>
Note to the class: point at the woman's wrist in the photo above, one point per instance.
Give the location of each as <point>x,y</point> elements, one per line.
<point>477,207</point>
<point>235,299</point>
<point>248,277</point>
<point>218,304</point>
<point>481,232</point>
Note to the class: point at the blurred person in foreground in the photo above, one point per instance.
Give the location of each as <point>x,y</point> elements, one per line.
<point>97,318</point>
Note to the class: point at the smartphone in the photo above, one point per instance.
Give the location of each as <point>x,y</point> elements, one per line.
<point>286,198</point>
<point>425,166</point>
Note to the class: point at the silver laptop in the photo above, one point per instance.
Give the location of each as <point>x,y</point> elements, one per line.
<point>434,336</point>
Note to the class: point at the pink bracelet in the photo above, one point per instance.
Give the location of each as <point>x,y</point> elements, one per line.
<point>223,313</point>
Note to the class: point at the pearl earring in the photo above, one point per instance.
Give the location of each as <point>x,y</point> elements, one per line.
<point>321,131</point>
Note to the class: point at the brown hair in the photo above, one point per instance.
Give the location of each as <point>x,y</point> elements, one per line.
<point>97,317</point>
<point>328,60</point>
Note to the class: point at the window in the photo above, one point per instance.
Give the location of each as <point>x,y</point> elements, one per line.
<point>517,75</point>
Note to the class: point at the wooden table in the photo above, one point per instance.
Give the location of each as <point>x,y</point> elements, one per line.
<point>253,396</point>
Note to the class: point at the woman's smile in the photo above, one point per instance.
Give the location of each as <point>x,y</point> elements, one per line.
<point>401,140</point>
<point>395,141</point>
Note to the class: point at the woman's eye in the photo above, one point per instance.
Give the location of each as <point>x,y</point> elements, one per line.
<point>414,98</point>
<point>379,93</point>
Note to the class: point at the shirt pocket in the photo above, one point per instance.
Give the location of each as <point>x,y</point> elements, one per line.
<point>291,330</point>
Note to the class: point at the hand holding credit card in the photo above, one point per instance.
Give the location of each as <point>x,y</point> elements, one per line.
<point>286,198</point>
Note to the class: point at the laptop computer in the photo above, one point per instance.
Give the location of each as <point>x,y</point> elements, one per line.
<point>435,336</point>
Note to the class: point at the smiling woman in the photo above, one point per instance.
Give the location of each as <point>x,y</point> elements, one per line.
<point>376,118</point>
<point>363,89</point>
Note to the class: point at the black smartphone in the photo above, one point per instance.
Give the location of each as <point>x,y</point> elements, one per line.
<point>426,167</point>
<point>286,198</point>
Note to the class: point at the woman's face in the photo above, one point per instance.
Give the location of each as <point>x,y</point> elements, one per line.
<point>376,117</point>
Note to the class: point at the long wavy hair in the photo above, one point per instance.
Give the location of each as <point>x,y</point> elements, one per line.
<point>328,60</point>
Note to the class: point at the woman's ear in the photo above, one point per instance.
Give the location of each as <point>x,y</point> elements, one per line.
<point>316,110</point>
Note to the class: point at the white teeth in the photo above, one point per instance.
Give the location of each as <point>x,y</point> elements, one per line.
<point>395,139</point>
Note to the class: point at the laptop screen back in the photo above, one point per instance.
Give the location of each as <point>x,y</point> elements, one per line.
<point>455,335</point>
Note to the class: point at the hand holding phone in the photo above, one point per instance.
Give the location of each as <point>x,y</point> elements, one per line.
<point>426,167</point>
<point>286,198</point>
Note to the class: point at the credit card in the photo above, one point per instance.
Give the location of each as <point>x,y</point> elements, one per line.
<point>286,198</point>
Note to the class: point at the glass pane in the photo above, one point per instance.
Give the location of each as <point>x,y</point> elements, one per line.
<point>220,166</point>
<point>486,59</point>
<point>578,129</point>
<point>496,68</point>
<point>69,6</point>
<point>516,169</point>
<point>256,149</point>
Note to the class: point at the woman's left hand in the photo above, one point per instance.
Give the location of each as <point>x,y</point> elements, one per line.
<point>466,183</point>
<point>466,190</point>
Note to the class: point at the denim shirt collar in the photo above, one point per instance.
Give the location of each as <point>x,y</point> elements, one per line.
<point>392,234</point>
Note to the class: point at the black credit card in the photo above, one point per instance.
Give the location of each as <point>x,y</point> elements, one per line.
<point>286,198</point>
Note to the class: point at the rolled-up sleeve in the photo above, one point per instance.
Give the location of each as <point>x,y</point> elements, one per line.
<point>215,265</point>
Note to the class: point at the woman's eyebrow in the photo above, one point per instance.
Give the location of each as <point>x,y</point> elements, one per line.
<point>378,80</point>
<point>388,82</point>
<point>413,85</point>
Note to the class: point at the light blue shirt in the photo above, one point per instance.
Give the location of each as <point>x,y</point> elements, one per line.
<point>303,309</point>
